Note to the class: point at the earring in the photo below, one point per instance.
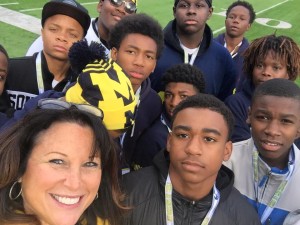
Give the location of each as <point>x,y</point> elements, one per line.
<point>10,192</point>
<point>97,195</point>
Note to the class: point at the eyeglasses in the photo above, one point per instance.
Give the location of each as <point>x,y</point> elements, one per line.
<point>130,7</point>
<point>49,103</point>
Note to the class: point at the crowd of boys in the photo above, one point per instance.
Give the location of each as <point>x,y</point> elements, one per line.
<point>216,147</point>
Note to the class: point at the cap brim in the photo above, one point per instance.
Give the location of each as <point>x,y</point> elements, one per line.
<point>54,8</point>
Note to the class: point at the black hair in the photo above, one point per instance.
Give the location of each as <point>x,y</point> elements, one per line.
<point>3,50</point>
<point>137,24</point>
<point>282,47</point>
<point>245,4</point>
<point>278,87</point>
<point>185,73</point>
<point>207,101</point>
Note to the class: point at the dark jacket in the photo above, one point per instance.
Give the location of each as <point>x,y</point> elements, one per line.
<point>148,110</point>
<point>153,140</point>
<point>30,105</point>
<point>145,189</point>
<point>22,79</point>
<point>239,104</point>
<point>238,60</point>
<point>212,59</point>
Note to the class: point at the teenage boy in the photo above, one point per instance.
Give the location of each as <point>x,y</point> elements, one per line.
<point>110,12</point>
<point>63,22</point>
<point>188,184</point>
<point>180,81</point>
<point>188,39</point>
<point>136,43</point>
<point>239,17</point>
<point>267,165</point>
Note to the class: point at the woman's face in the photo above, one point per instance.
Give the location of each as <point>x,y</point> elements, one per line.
<point>61,180</point>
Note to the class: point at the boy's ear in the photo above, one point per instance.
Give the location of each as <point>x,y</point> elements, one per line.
<point>227,151</point>
<point>249,115</point>
<point>298,133</point>
<point>168,141</point>
<point>99,6</point>
<point>113,53</point>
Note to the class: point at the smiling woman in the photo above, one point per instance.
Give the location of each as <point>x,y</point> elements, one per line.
<point>58,167</point>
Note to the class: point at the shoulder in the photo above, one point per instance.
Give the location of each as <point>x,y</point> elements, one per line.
<point>141,185</point>
<point>238,208</point>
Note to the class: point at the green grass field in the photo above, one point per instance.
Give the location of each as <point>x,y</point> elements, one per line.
<point>274,13</point>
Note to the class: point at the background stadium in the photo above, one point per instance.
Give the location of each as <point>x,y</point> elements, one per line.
<point>20,19</point>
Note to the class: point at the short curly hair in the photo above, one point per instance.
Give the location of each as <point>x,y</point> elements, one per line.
<point>184,73</point>
<point>137,24</point>
<point>245,4</point>
<point>210,102</point>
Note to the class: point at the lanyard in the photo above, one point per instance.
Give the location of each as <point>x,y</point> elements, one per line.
<point>39,75</point>
<point>169,204</point>
<point>234,52</point>
<point>280,189</point>
<point>165,123</point>
<point>193,57</point>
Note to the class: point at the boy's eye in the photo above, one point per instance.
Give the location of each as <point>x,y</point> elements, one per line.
<point>182,136</point>
<point>286,121</point>
<point>167,95</point>
<point>261,117</point>
<point>209,139</point>
<point>183,96</point>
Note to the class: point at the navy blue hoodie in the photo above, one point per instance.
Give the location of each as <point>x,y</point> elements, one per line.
<point>238,60</point>
<point>148,110</point>
<point>212,59</point>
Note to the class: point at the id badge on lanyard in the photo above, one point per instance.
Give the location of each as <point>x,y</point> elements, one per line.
<point>169,204</point>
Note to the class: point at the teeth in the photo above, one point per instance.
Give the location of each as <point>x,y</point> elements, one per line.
<point>67,201</point>
<point>271,144</point>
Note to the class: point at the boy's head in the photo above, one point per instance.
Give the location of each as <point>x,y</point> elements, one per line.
<point>199,141</point>
<point>136,43</point>
<point>275,119</point>
<point>239,17</point>
<point>3,68</point>
<point>271,57</point>
<point>63,23</point>
<point>112,11</point>
<point>181,81</point>
<point>186,24</point>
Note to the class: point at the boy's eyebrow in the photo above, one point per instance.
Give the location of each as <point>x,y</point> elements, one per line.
<point>182,127</point>
<point>211,130</point>
<point>281,114</point>
<point>137,48</point>
<point>204,130</point>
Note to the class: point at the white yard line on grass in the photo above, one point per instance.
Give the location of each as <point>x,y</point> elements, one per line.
<point>20,20</point>
<point>11,3</point>
<point>23,21</point>
<point>262,11</point>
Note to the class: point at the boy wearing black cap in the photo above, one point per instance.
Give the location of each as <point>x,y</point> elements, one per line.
<point>188,39</point>
<point>110,13</point>
<point>64,22</point>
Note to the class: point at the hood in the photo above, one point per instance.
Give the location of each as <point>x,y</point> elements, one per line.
<point>145,88</point>
<point>248,88</point>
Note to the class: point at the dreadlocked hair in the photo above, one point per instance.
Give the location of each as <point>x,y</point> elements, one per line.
<point>282,47</point>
